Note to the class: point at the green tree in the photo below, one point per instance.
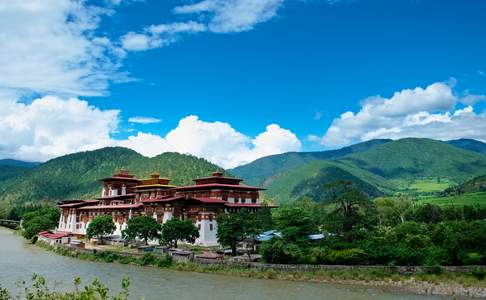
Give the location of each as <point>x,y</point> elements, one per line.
<point>142,227</point>
<point>234,228</point>
<point>353,214</point>
<point>177,230</point>
<point>427,213</point>
<point>391,211</point>
<point>295,224</point>
<point>45,218</point>
<point>100,227</point>
<point>278,251</point>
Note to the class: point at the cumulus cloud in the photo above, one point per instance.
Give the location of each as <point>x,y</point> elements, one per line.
<point>144,120</point>
<point>217,142</point>
<point>51,47</point>
<point>51,126</point>
<point>432,112</point>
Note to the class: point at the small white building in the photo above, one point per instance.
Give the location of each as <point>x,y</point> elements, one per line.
<point>57,238</point>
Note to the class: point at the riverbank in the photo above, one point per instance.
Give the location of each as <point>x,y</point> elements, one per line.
<point>434,281</point>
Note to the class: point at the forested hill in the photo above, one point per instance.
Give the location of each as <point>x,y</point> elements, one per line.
<point>385,167</point>
<point>18,163</point>
<point>11,168</point>
<point>415,158</point>
<point>468,144</point>
<point>76,175</point>
<point>263,170</point>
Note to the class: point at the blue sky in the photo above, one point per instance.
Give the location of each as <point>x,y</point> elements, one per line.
<point>298,64</point>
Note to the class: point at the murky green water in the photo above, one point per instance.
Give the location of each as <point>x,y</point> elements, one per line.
<point>19,260</point>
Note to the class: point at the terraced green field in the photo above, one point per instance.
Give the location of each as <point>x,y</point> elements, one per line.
<point>461,200</point>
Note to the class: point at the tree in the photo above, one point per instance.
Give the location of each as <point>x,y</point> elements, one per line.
<point>142,227</point>
<point>353,214</point>
<point>42,219</point>
<point>177,230</point>
<point>295,224</point>
<point>391,211</point>
<point>100,227</point>
<point>427,213</point>
<point>234,228</point>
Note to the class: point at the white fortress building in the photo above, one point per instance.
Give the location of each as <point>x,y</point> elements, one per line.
<point>123,196</point>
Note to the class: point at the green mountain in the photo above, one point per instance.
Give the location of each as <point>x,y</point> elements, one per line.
<point>11,168</point>
<point>468,144</point>
<point>262,171</point>
<point>384,168</point>
<point>413,158</point>
<point>18,163</point>
<point>309,180</point>
<point>76,175</point>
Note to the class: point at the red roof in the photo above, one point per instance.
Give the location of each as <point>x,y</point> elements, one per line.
<point>53,236</point>
<point>117,206</point>
<point>219,185</point>
<point>157,200</point>
<point>120,178</point>
<point>209,200</point>
<point>182,198</point>
<point>243,205</point>
<point>78,204</point>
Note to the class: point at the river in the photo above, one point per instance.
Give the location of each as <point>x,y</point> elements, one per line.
<point>18,260</point>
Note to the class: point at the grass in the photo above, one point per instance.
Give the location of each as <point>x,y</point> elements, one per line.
<point>460,200</point>
<point>422,185</point>
<point>430,185</point>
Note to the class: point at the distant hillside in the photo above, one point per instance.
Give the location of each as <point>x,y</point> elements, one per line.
<point>76,175</point>
<point>468,144</point>
<point>384,168</point>
<point>262,171</point>
<point>415,158</point>
<point>309,180</point>
<point>11,168</point>
<point>475,185</point>
<point>18,163</point>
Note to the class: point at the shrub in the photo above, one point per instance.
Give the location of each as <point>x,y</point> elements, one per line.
<point>472,258</point>
<point>148,259</point>
<point>280,252</point>
<point>346,257</point>
<point>107,256</point>
<point>479,273</point>
<point>164,262</point>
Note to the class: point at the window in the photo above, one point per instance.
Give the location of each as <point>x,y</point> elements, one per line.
<point>199,226</point>
<point>211,218</point>
<point>211,227</point>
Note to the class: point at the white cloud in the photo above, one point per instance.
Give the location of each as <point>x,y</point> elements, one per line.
<point>156,36</point>
<point>50,46</point>
<point>136,42</point>
<point>233,15</point>
<point>144,120</point>
<point>472,99</point>
<point>217,142</point>
<point>51,126</point>
<point>432,112</point>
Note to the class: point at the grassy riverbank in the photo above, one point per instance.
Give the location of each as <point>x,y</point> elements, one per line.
<point>438,281</point>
